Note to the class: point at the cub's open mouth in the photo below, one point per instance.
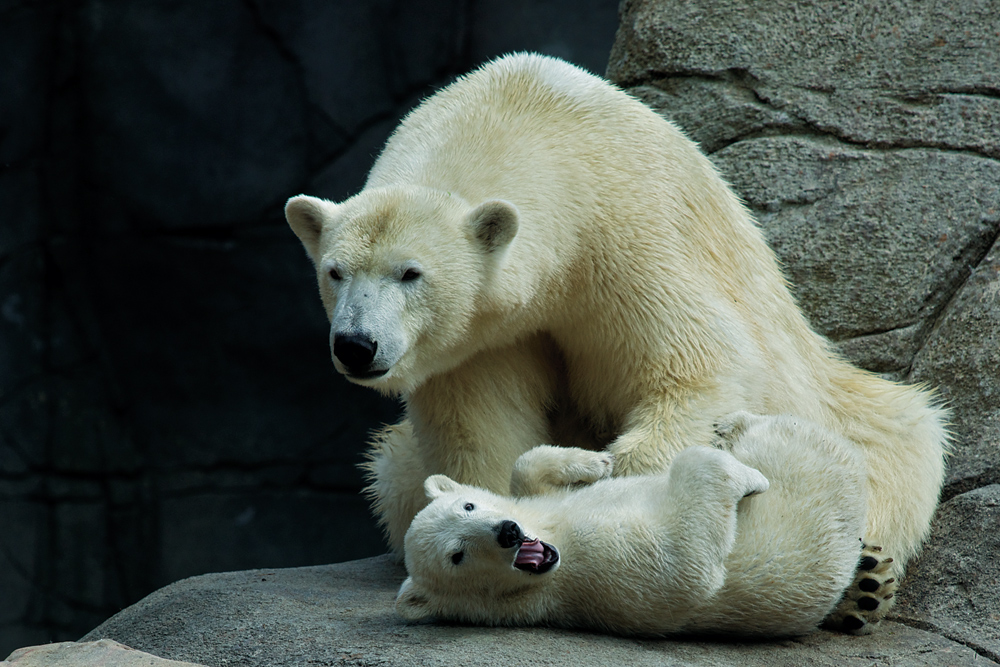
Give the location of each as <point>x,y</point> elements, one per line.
<point>536,557</point>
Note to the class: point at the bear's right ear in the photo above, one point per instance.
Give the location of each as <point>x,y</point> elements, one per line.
<point>412,603</point>
<point>305,216</point>
<point>437,485</point>
<point>494,224</point>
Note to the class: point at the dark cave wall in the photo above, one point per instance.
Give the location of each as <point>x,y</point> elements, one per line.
<point>167,402</point>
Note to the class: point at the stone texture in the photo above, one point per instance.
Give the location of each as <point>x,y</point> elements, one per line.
<point>962,359</point>
<point>903,73</point>
<point>102,653</point>
<point>342,615</point>
<point>952,588</point>
<point>874,241</point>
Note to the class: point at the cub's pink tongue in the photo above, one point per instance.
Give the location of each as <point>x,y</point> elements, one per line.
<point>530,553</point>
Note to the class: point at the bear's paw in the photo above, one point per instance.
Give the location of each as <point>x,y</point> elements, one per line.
<point>547,468</point>
<point>868,599</point>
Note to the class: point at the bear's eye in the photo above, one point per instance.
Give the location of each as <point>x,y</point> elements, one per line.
<point>456,558</point>
<point>410,275</point>
<point>335,275</point>
<point>469,507</point>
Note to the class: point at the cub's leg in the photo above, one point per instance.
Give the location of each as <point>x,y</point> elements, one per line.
<point>545,468</point>
<point>697,510</point>
<point>754,438</point>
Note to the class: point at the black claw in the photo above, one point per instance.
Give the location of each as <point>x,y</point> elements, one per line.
<point>868,563</point>
<point>853,623</point>
<point>867,604</point>
<point>869,585</point>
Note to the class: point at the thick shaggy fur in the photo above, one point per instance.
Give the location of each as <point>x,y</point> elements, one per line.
<point>757,538</point>
<point>537,257</point>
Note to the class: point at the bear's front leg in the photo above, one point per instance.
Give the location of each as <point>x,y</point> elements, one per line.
<point>470,423</point>
<point>664,424</point>
<point>545,469</point>
<point>396,471</point>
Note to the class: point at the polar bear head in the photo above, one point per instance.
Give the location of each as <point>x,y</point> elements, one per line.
<point>401,272</point>
<point>470,559</point>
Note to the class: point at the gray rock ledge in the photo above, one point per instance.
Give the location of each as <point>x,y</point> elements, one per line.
<point>342,615</point>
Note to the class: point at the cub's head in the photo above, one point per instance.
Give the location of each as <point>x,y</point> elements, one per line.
<point>401,272</point>
<point>469,559</point>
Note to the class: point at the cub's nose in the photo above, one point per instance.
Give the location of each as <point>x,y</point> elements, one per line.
<point>509,535</point>
<point>356,352</point>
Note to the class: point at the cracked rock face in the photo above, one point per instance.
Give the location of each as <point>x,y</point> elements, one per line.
<point>866,139</point>
<point>958,571</point>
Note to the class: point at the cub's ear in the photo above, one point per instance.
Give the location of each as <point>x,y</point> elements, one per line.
<point>305,216</point>
<point>494,224</point>
<point>437,485</point>
<point>412,603</point>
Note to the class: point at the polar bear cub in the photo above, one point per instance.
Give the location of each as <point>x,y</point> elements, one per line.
<point>759,536</point>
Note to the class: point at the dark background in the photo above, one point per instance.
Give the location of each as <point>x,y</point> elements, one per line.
<point>167,402</point>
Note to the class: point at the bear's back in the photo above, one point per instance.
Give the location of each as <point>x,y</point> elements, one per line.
<point>537,131</point>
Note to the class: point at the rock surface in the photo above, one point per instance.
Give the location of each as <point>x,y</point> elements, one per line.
<point>101,653</point>
<point>342,615</point>
<point>953,588</point>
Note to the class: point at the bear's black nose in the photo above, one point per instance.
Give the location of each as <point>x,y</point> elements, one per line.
<point>354,351</point>
<point>509,535</point>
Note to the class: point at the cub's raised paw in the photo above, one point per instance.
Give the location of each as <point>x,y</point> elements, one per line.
<point>868,599</point>
<point>546,468</point>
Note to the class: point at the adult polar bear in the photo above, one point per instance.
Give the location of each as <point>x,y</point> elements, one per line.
<point>533,241</point>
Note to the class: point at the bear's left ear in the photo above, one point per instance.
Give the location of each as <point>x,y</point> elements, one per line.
<point>494,224</point>
<point>412,603</point>
<point>437,485</point>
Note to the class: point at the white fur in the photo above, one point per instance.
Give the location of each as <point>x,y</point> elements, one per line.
<point>681,551</point>
<point>587,279</point>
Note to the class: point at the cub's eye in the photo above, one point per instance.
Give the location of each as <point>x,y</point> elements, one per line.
<point>457,557</point>
<point>335,275</point>
<point>469,507</point>
<point>410,275</point>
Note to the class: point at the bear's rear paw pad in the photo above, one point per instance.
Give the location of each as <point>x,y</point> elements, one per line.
<point>867,600</point>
